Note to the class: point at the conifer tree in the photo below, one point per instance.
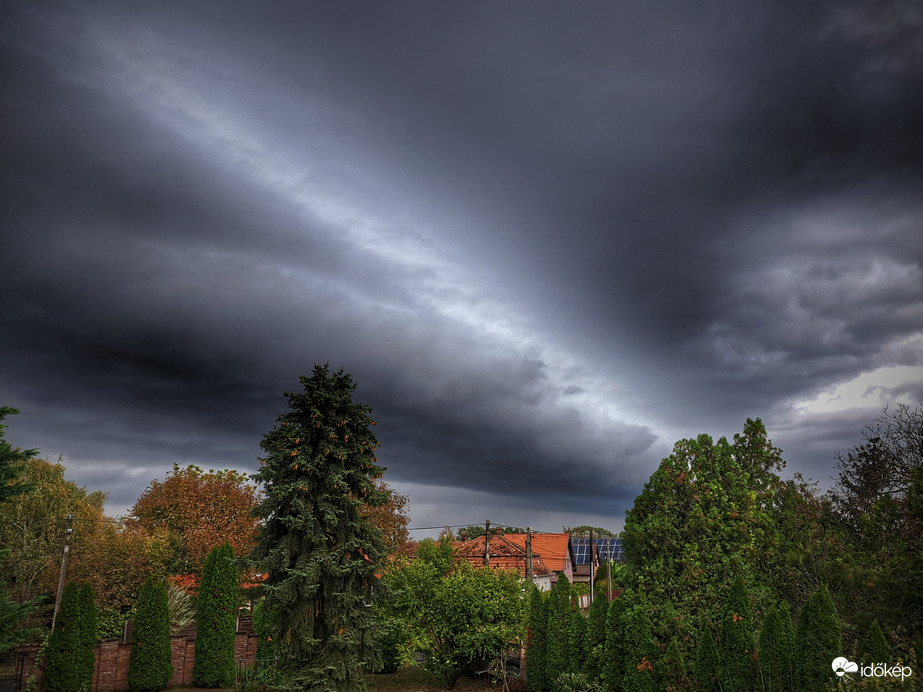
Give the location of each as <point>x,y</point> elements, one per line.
<point>66,671</point>
<point>536,674</point>
<point>614,649</point>
<point>560,620</point>
<point>88,632</point>
<point>818,640</point>
<point>149,664</point>
<point>11,486</point>
<point>640,662</point>
<point>319,553</point>
<point>777,640</point>
<point>707,663</point>
<point>595,641</point>
<point>673,668</point>
<point>875,648</point>
<point>735,647</point>
<point>576,652</point>
<point>216,620</point>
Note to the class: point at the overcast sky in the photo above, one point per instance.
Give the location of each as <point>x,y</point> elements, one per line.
<point>547,239</point>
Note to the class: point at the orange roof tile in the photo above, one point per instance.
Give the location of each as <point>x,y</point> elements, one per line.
<point>504,554</point>
<point>550,547</point>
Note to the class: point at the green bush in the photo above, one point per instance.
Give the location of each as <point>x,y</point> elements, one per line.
<point>875,648</point>
<point>818,640</point>
<point>390,639</point>
<point>777,640</point>
<point>149,666</point>
<point>536,678</point>
<point>70,647</point>
<point>216,620</point>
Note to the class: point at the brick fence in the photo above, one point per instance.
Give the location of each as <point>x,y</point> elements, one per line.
<point>111,673</point>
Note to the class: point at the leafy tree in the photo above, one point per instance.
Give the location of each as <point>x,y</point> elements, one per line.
<point>879,501</point>
<point>584,532</point>
<point>560,618</point>
<point>70,647</point>
<point>200,510</point>
<point>472,531</point>
<point>390,517</point>
<point>149,664</point>
<point>455,612</point>
<point>711,509</point>
<point>776,649</point>
<point>537,675</point>
<point>319,553</point>
<point>595,641</point>
<point>875,648</point>
<point>216,620</point>
<point>818,640</point>
<point>736,649</point>
<point>32,528</point>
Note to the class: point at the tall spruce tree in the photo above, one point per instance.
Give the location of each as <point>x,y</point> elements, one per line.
<point>216,620</point>
<point>536,674</point>
<point>818,640</point>
<point>149,664</point>
<point>318,552</point>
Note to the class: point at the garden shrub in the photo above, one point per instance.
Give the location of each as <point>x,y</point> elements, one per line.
<point>149,665</point>
<point>216,620</point>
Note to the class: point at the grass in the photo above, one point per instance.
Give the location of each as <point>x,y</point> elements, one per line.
<point>415,679</point>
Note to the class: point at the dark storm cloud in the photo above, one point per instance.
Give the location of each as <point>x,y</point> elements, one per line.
<point>548,240</point>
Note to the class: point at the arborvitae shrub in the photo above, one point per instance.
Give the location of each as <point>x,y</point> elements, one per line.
<point>67,670</point>
<point>576,652</point>
<point>87,662</point>
<point>735,646</point>
<point>818,640</point>
<point>536,677</point>
<point>216,620</point>
<point>614,649</point>
<point>673,668</point>
<point>640,662</point>
<point>875,648</point>
<point>560,619</point>
<point>595,640</point>
<point>777,640</point>
<point>149,666</point>
<point>707,663</point>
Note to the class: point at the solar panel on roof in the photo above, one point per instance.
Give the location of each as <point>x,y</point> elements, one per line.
<point>606,549</point>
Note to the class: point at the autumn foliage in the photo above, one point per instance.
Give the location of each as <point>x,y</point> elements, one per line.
<point>200,510</point>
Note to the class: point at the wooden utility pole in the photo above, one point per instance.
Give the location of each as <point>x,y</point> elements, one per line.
<point>592,567</point>
<point>529,553</point>
<point>68,532</point>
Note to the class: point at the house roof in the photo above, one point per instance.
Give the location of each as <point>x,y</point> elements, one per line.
<point>550,547</point>
<point>504,554</point>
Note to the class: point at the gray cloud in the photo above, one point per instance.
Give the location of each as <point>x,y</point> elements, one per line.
<point>547,240</point>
